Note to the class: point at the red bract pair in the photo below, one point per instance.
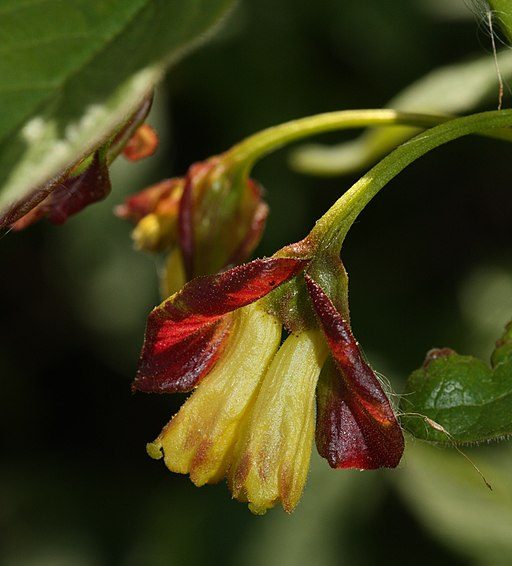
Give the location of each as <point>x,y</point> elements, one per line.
<point>251,417</point>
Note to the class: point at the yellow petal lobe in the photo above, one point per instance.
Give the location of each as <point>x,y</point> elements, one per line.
<point>271,458</point>
<point>172,276</point>
<point>200,438</point>
<point>154,232</point>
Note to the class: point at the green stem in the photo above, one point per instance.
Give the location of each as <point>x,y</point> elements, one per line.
<point>330,231</point>
<point>253,148</point>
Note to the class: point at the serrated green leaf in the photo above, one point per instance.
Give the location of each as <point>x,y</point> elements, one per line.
<point>453,89</point>
<point>72,71</point>
<point>460,399</point>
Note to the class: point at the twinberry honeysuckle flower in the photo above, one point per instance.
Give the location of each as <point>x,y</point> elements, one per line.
<point>207,220</point>
<point>252,416</point>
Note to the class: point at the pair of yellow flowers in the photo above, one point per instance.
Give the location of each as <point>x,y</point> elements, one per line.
<point>252,416</point>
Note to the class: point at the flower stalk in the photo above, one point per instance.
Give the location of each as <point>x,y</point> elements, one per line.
<point>330,231</point>
<point>255,147</point>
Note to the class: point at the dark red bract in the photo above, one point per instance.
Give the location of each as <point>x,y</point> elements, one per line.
<point>185,334</point>
<point>71,195</point>
<point>356,426</point>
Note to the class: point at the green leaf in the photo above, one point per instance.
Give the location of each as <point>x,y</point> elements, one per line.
<point>71,72</point>
<point>447,496</point>
<point>453,89</point>
<point>502,12</point>
<point>460,399</point>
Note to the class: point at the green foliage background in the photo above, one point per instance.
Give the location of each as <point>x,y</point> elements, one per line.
<point>429,263</point>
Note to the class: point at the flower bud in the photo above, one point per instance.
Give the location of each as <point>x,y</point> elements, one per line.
<point>214,215</point>
<point>142,144</point>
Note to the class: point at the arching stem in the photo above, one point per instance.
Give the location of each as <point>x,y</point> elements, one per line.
<point>330,231</point>
<point>251,149</point>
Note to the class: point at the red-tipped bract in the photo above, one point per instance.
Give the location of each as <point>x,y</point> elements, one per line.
<point>356,426</point>
<point>185,334</point>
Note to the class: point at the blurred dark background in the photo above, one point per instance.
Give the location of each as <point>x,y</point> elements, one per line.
<point>429,262</point>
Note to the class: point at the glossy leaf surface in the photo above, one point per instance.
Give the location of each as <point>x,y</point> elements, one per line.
<point>467,400</point>
<point>71,72</point>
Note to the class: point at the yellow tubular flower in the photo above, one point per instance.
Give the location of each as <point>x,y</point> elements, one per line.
<point>199,440</point>
<point>172,276</point>
<point>153,232</point>
<point>271,458</point>
<point>214,214</point>
<point>252,415</point>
